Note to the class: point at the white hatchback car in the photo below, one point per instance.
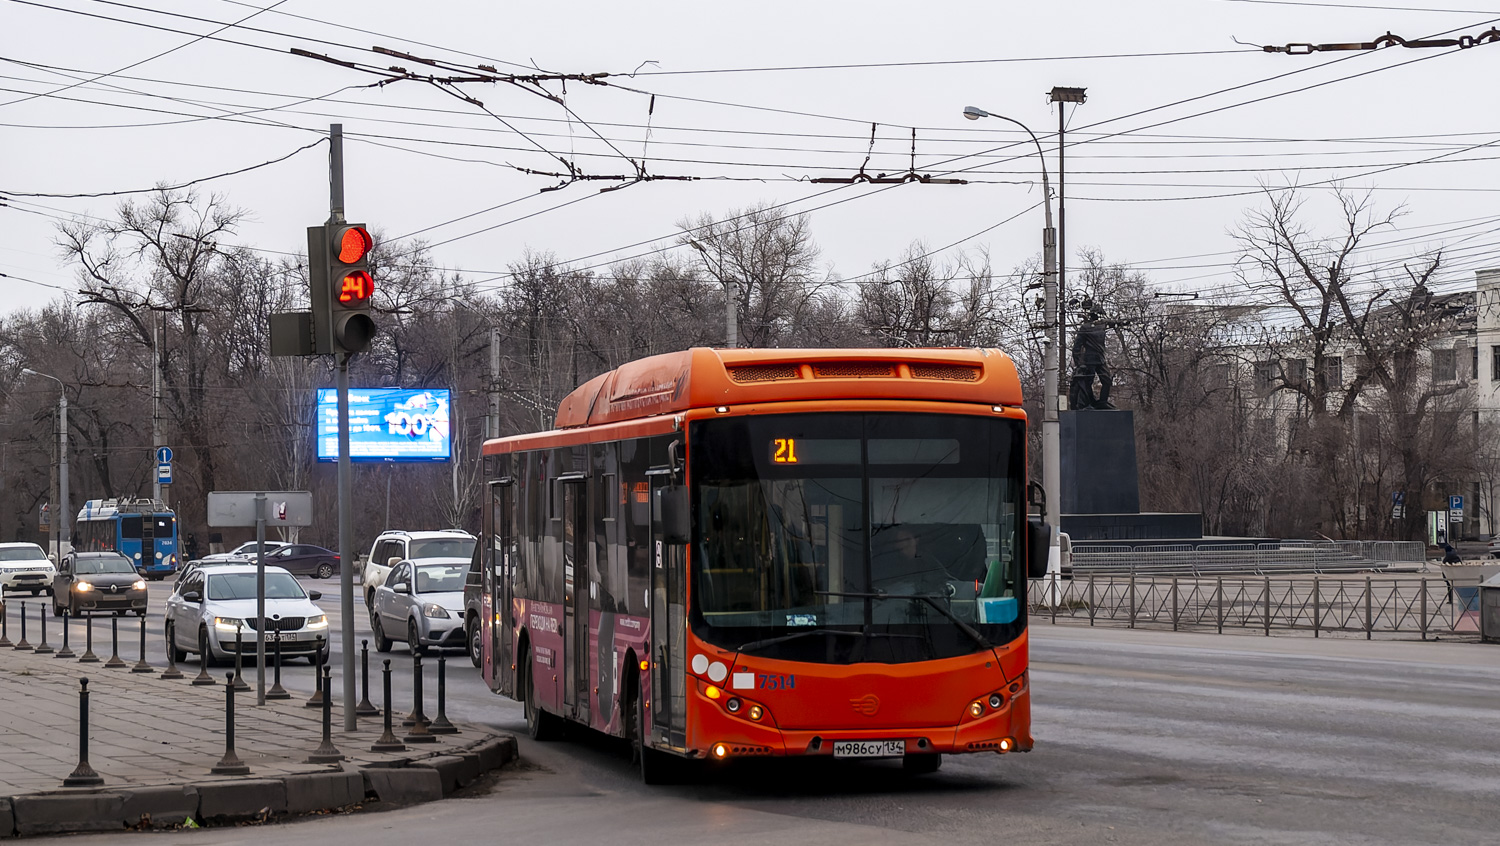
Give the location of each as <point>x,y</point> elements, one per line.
<point>213,602</point>
<point>25,567</point>
<point>422,603</point>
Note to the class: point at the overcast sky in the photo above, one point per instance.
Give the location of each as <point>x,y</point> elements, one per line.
<point>1181,126</point>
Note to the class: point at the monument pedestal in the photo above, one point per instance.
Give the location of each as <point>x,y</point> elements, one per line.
<point>1101,495</point>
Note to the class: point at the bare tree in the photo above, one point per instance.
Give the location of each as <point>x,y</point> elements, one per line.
<point>767,260</point>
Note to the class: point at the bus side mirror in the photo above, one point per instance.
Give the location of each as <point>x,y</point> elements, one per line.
<point>1038,546</point>
<point>675,514</point>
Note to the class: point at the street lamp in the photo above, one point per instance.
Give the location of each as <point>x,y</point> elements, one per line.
<point>60,514</point>
<point>731,319</point>
<point>1051,429</point>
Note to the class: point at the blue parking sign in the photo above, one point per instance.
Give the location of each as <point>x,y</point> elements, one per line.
<point>1455,503</point>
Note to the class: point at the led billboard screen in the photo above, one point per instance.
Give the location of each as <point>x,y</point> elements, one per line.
<point>387,424</point>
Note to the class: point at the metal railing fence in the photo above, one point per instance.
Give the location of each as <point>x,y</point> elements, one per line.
<point>1385,604</point>
<point>1239,559</point>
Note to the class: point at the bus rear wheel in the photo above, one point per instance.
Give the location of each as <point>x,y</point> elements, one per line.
<point>541,725</point>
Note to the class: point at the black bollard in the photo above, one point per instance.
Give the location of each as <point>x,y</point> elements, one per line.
<point>88,656</point>
<point>66,651</point>
<point>5,622</point>
<point>316,700</point>
<point>203,678</point>
<point>326,753</point>
<point>115,662</point>
<point>171,673</point>
<point>387,741</point>
<point>277,691</point>
<point>43,648</point>
<point>22,645</point>
<point>416,672</point>
<point>230,764</point>
<point>364,708</point>
<point>141,666</point>
<point>441,724</point>
<point>83,775</point>
<point>239,657</point>
<point>419,732</point>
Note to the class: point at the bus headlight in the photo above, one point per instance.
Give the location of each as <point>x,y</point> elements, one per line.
<point>158,555</point>
<point>137,556</point>
<point>976,709</point>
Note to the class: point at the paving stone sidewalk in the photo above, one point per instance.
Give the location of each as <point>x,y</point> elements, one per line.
<point>149,732</point>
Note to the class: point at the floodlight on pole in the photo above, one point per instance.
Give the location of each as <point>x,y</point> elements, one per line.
<point>731,316</point>
<point>1051,427</point>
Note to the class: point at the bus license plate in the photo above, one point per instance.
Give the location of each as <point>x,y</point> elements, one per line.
<point>869,748</point>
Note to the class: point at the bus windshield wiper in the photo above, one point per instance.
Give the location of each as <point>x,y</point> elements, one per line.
<point>771,641</point>
<point>930,599</point>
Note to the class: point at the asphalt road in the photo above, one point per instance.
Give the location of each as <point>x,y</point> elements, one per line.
<point>1142,738</point>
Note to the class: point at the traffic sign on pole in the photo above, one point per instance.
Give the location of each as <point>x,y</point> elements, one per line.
<point>163,455</point>
<point>164,474</point>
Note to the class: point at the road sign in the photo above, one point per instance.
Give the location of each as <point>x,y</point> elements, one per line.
<point>1398,497</point>
<point>163,455</point>
<point>164,474</point>
<point>1398,512</point>
<point>237,508</point>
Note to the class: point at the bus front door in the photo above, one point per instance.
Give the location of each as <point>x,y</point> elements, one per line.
<point>668,626</point>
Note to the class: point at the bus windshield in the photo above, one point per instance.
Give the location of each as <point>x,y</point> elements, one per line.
<point>853,537</point>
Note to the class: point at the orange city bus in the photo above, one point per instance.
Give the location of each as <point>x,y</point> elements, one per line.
<point>730,553</point>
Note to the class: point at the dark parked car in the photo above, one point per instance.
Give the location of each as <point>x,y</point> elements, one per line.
<point>98,581</point>
<point>305,560</point>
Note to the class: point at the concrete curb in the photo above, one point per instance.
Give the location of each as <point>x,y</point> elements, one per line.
<point>401,781</point>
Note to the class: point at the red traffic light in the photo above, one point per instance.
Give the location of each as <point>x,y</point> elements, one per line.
<point>354,244</point>
<point>356,288</point>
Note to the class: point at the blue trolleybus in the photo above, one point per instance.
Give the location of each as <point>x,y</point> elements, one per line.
<point>143,530</point>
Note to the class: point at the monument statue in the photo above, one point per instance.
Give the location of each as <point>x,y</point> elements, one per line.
<point>1089,343</point>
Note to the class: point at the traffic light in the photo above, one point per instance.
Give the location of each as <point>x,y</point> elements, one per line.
<point>338,260</point>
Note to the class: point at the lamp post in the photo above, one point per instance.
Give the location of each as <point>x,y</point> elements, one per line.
<point>60,514</point>
<point>731,319</point>
<point>1051,431</point>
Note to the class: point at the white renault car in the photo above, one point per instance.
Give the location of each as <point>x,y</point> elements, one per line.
<point>24,566</point>
<point>213,602</point>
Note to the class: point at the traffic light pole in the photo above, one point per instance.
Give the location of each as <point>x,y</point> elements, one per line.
<point>346,471</point>
<point>346,547</point>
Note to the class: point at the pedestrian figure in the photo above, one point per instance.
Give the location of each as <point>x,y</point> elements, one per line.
<point>191,547</point>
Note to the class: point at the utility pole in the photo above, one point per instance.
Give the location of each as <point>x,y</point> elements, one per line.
<point>156,443</point>
<point>1060,96</point>
<point>346,470</point>
<point>492,428</point>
